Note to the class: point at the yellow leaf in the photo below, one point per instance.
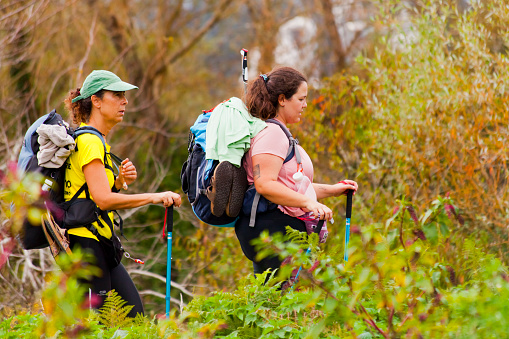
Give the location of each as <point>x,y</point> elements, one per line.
<point>34,216</point>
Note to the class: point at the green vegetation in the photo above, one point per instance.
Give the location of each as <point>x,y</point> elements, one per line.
<point>400,281</point>
<point>420,120</point>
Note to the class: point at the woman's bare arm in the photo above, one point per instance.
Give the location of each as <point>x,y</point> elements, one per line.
<point>325,191</point>
<point>100,190</point>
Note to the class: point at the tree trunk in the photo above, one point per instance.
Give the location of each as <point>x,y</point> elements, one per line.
<point>332,30</point>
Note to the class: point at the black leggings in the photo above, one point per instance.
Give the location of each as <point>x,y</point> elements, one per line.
<point>274,221</point>
<point>115,278</point>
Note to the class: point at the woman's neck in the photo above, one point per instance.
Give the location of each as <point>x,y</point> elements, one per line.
<point>279,118</point>
<point>99,124</point>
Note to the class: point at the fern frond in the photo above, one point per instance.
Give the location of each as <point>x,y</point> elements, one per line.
<point>473,258</point>
<point>114,312</point>
<point>296,236</point>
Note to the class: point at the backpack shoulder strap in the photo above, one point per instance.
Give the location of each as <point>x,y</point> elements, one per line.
<point>104,214</point>
<point>292,149</point>
<point>83,130</point>
<point>92,130</point>
<point>89,129</point>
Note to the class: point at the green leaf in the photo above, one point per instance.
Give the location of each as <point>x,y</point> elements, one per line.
<point>431,232</point>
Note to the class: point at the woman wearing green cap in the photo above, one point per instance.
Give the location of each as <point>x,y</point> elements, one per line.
<point>100,103</point>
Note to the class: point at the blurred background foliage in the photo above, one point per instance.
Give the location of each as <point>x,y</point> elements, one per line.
<point>407,97</point>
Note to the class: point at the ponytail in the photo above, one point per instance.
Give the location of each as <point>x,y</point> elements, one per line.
<point>263,92</point>
<point>80,110</point>
<point>259,101</point>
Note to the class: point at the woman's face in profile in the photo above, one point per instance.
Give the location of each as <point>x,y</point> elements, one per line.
<point>113,106</point>
<point>293,107</point>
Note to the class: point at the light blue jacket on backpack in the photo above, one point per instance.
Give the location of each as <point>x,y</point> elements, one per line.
<point>27,152</point>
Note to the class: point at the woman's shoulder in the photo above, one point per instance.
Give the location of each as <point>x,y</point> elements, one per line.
<point>89,139</point>
<point>272,131</point>
<point>91,142</point>
<point>270,140</point>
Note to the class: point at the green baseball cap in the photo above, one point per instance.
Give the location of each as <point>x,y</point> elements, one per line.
<point>98,80</point>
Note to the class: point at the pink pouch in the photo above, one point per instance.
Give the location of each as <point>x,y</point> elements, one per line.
<point>312,223</point>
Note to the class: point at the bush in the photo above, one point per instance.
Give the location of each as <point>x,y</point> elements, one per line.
<point>425,115</point>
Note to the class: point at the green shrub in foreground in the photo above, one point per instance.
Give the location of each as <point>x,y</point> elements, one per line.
<point>405,278</point>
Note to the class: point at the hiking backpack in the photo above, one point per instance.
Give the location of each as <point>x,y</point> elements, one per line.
<point>54,181</point>
<point>197,172</point>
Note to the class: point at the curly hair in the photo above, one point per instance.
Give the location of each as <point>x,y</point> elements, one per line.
<point>263,92</point>
<point>80,110</point>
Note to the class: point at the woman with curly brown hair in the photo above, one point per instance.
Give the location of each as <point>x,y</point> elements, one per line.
<point>91,174</point>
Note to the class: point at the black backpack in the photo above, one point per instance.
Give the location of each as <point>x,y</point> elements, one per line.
<point>67,214</point>
<point>196,176</point>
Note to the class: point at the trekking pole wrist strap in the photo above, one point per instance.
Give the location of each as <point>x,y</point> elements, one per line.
<point>114,189</point>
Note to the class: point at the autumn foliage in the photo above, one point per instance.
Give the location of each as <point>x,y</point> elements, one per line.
<point>424,114</point>
<point>419,119</point>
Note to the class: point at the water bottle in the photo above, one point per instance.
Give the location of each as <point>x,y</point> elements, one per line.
<point>47,185</point>
<point>302,182</point>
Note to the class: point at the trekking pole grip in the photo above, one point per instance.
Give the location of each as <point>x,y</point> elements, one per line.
<point>243,52</point>
<point>349,196</point>
<point>318,227</point>
<point>169,219</point>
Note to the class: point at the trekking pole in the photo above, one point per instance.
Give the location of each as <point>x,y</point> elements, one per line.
<point>168,222</point>
<point>317,230</point>
<point>349,196</point>
<point>243,52</point>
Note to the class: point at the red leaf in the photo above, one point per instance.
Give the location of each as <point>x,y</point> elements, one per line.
<point>7,250</point>
<point>315,265</point>
<point>419,234</point>
<point>411,210</point>
<point>92,301</point>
